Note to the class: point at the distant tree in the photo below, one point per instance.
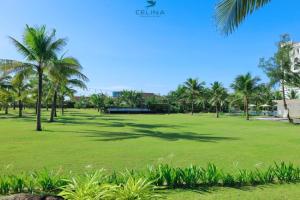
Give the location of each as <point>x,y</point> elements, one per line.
<point>263,95</point>
<point>193,88</point>
<point>21,86</point>
<point>5,93</point>
<point>132,98</point>
<point>278,68</point>
<point>245,86</point>
<point>218,96</point>
<point>98,101</point>
<point>293,95</point>
<point>277,95</point>
<point>178,99</point>
<point>203,100</point>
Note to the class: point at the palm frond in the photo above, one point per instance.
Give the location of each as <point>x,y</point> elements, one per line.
<point>231,13</point>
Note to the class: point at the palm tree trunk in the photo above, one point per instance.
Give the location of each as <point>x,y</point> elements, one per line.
<point>55,112</point>
<point>20,103</point>
<point>53,107</point>
<point>14,105</point>
<point>36,106</point>
<point>192,104</point>
<point>62,105</point>
<point>247,108</point>
<point>20,108</point>
<point>284,101</point>
<point>6,109</point>
<point>39,99</point>
<point>217,111</point>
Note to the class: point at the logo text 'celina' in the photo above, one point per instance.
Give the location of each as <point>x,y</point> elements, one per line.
<point>150,10</point>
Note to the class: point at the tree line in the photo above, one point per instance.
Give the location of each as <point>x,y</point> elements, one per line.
<point>47,77</point>
<point>194,96</point>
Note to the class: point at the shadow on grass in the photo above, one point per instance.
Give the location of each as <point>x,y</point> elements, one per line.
<point>141,133</point>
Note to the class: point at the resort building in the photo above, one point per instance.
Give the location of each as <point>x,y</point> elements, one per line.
<point>293,106</point>
<point>295,57</point>
<point>116,94</point>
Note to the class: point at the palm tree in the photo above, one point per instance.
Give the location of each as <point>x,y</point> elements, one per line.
<point>231,13</point>
<point>63,73</point>
<point>20,86</point>
<point>39,48</point>
<point>132,98</point>
<point>5,94</point>
<point>98,100</point>
<point>218,96</point>
<point>193,88</point>
<point>245,86</point>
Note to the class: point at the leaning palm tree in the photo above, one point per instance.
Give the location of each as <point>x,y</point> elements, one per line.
<point>193,88</point>
<point>245,86</point>
<point>218,96</point>
<point>231,13</point>
<point>39,48</point>
<point>64,72</point>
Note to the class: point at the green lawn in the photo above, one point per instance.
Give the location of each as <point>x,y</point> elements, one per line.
<point>86,140</point>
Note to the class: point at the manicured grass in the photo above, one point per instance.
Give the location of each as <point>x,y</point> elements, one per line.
<point>274,192</point>
<point>83,139</point>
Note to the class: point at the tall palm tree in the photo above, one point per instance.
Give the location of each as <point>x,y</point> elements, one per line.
<point>193,88</point>
<point>218,96</point>
<point>39,48</point>
<point>64,72</point>
<point>245,86</point>
<point>231,13</point>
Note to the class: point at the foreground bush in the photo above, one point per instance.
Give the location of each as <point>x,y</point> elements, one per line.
<point>134,185</point>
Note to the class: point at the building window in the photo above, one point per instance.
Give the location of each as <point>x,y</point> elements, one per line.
<point>296,64</point>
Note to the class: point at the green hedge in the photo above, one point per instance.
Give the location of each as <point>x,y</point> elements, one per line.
<point>162,175</point>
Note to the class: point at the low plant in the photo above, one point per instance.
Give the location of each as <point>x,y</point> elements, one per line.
<point>136,189</point>
<point>49,181</point>
<point>88,187</point>
<point>133,184</point>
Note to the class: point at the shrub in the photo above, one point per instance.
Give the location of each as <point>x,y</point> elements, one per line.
<point>88,187</point>
<point>133,184</point>
<point>136,189</point>
<point>49,181</point>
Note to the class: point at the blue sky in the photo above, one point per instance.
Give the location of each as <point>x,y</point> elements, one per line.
<point>119,49</point>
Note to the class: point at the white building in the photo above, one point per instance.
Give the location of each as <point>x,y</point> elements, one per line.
<point>295,58</point>
<point>293,107</point>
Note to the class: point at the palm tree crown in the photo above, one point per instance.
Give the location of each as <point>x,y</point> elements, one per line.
<point>245,86</point>
<point>193,88</point>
